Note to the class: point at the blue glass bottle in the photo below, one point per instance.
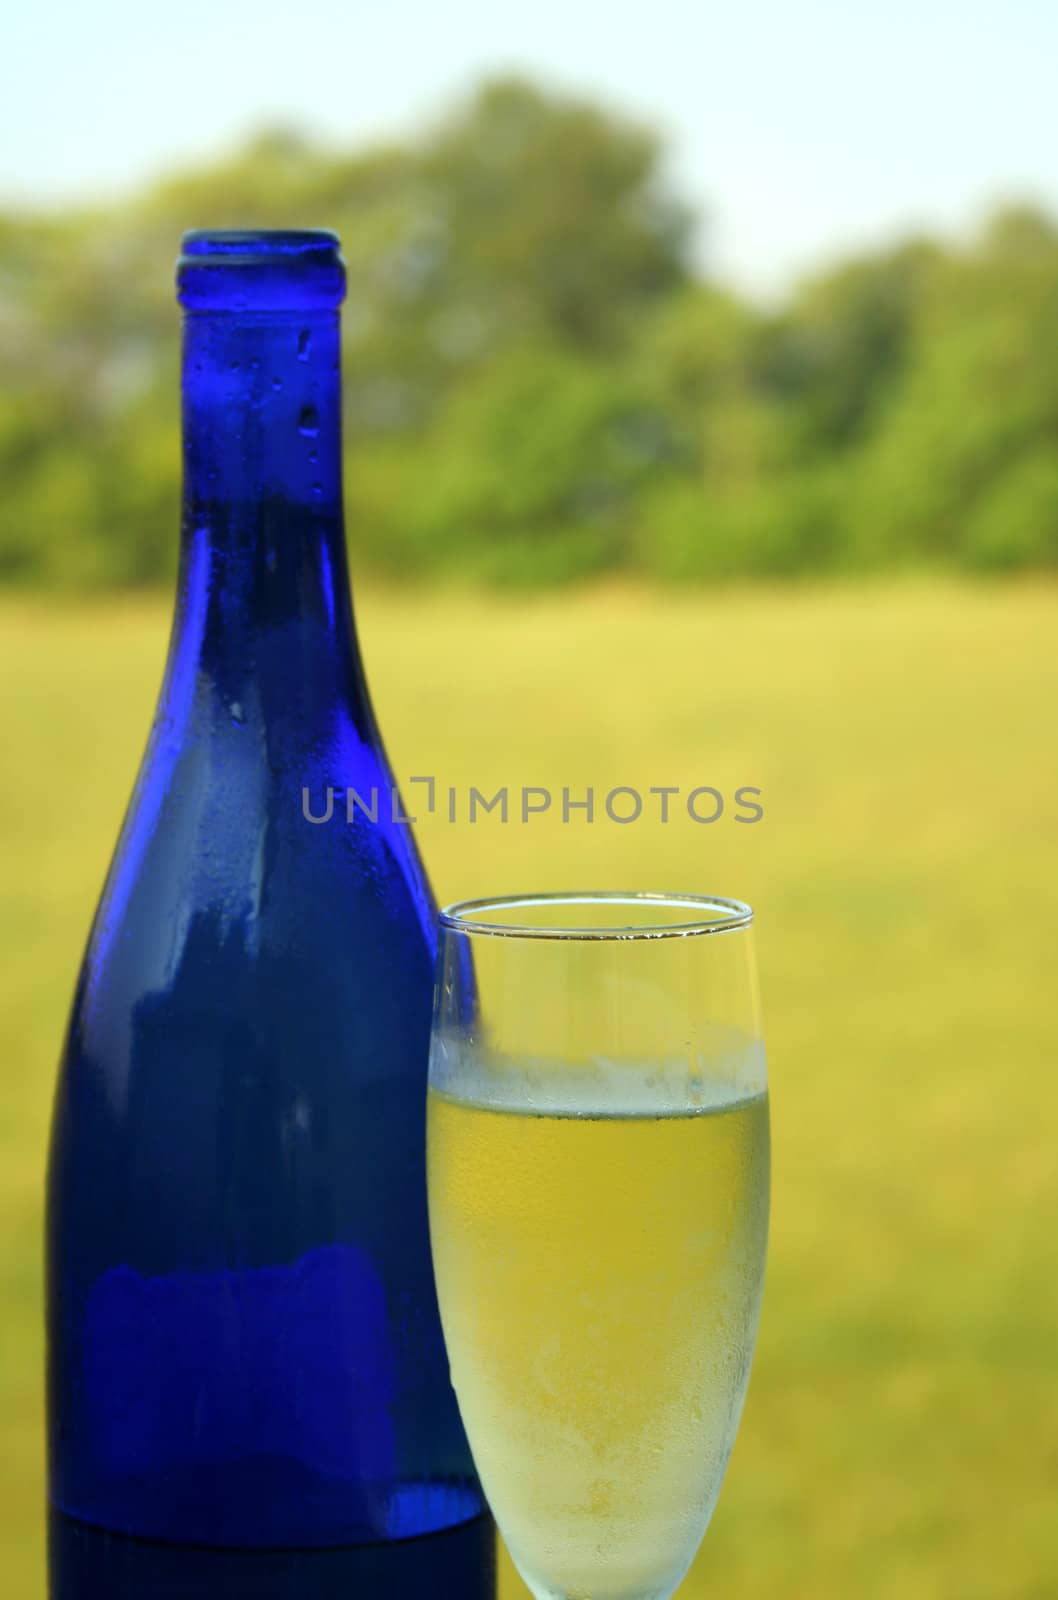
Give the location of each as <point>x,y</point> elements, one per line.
<point>248,1390</point>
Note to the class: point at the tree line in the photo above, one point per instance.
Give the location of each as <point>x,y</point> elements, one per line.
<point>539,385</point>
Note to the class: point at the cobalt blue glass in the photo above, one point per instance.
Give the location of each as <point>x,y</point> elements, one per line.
<point>248,1389</point>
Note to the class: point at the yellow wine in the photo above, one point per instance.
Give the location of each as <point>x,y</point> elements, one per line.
<point>600,1279</point>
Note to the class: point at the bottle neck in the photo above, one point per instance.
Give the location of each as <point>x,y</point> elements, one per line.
<point>264,607</point>
<point>262,419</point>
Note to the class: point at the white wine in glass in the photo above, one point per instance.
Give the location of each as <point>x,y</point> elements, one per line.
<point>599,1221</point>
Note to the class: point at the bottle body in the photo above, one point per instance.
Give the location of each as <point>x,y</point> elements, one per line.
<point>90,1563</point>
<point>244,1348</point>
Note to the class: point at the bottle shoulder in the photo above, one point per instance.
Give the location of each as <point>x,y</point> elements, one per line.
<point>227,890</point>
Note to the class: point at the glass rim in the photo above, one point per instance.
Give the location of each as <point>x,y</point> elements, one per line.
<point>713,914</point>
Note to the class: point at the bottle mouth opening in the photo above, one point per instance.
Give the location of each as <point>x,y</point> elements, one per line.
<point>260,244</point>
<point>260,269</point>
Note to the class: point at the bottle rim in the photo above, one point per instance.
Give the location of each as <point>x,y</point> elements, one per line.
<point>260,270</point>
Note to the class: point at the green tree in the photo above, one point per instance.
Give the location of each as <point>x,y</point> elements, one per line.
<point>537,384</point>
<point>979,401</point>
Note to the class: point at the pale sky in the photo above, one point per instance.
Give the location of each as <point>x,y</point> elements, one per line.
<point>800,129</point>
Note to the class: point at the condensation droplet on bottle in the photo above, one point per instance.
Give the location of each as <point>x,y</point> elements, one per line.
<point>237,713</point>
<point>314,456</point>
<point>304,343</point>
<point>309,422</point>
<point>277,383</point>
<point>317,489</point>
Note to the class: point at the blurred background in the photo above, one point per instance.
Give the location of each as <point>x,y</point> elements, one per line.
<point>701,389</point>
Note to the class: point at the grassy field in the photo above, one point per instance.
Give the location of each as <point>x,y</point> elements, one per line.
<point>901,1434</point>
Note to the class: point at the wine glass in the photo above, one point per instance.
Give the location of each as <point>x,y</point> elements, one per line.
<point>598,1164</point>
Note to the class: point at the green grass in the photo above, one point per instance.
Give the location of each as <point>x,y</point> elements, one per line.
<point>901,1434</point>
